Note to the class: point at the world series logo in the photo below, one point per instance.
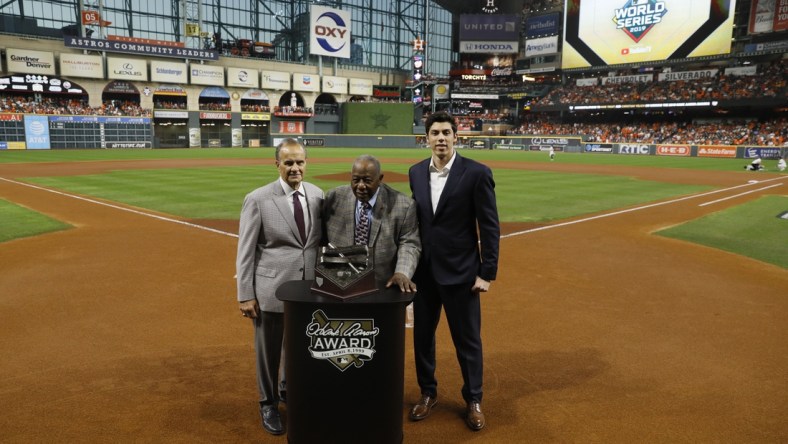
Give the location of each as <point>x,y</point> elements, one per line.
<point>637,17</point>
<point>342,342</point>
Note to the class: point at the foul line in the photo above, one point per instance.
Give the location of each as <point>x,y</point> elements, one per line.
<point>518,233</point>
<point>630,210</point>
<point>117,207</point>
<point>740,194</point>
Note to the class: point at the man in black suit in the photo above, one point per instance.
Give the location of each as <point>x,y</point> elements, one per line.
<point>454,195</point>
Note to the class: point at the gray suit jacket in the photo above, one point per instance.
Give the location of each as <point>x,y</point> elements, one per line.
<point>270,251</point>
<point>394,233</point>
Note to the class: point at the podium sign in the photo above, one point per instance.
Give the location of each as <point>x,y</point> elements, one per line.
<point>345,272</point>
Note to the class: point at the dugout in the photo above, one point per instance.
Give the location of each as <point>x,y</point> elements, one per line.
<point>255,118</point>
<point>170,118</point>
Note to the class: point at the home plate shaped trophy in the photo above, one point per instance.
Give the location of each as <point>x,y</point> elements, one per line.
<point>345,272</point>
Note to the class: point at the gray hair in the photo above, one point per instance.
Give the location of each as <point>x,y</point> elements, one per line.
<point>368,158</point>
<point>288,142</point>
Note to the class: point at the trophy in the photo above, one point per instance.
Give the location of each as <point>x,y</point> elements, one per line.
<point>345,272</point>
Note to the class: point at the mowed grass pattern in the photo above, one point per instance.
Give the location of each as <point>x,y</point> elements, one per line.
<point>18,222</point>
<point>217,193</point>
<point>752,229</point>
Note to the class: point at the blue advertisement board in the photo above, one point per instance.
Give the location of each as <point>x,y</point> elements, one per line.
<point>37,132</point>
<point>489,27</point>
<point>541,25</point>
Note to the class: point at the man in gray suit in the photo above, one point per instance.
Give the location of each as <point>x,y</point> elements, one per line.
<point>388,215</point>
<point>278,237</point>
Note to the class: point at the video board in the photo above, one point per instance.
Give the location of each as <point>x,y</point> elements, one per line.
<point>612,32</point>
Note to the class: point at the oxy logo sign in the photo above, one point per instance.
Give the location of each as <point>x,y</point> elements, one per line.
<point>329,32</point>
<point>342,342</point>
<point>637,17</point>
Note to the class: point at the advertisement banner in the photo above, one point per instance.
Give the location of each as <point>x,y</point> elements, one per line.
<point>195,141</point>
<point>768,16</point>
<point>243,77</point>
<point>541,25</point>
<point>606,148</point>
<point>286,127</point>
<point>688,75</point>
<point>587,82</point>
<point>30,62</point>
<point>80,65</point>
<point>329,32</point>
<point>611,32</point>
<point>275,80</point>
<point>641,78</point>
<point>207,75</point>
<point>171,114</point>
<point>489,47</point>
<point>634,148</point>
<point>143,49</point>
<point>237,137</point>
<point>306,82</point>
<point>673,150</point>
<point>337,85</point>
<point>360,87</point>
<point>544,45</point>
<point>37,132</point>
<point>256,116</point>
<point>168,72</point>
<point>742,71</point>
<point>127,69</point>
<point>717,151</point>
<point>753,152</point>
<point>440,91</point>
<point>490,27</point>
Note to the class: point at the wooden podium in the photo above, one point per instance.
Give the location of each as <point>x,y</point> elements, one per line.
<point>345,364</point>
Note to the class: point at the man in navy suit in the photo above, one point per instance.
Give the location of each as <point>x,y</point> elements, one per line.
<point>453,196</point>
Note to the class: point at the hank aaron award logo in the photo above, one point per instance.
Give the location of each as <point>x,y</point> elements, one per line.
<point>342,342</point>
<point>637,17</point>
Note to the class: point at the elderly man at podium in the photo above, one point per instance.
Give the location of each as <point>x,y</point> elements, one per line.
<point>369,212</point>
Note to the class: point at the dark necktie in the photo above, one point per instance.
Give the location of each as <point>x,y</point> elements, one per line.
<point>298,212</point>
<point>362,228</point>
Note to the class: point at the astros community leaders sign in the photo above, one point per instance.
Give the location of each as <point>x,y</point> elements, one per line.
<point>139,48</point>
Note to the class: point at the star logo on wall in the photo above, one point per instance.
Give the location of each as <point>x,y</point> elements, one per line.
<point>381,120</point>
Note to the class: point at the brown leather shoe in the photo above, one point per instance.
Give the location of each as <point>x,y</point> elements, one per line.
<point>474,416</point>
<point>423,408</point>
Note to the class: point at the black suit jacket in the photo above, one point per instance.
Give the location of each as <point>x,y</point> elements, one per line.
<point>449,238</point>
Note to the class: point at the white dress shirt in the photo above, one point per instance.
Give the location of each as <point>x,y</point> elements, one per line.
<point>289,191</point>
<point>438,180</point>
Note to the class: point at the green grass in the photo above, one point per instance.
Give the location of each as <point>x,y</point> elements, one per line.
<point>25,156</point>
<point>18,222</point>
<point>217,193</point>
<point>752,229</point>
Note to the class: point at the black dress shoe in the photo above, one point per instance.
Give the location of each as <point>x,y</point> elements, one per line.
<point>272,422</point>
<point>423,408</point>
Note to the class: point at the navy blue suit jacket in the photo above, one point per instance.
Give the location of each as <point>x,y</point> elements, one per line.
<point>449,238</point>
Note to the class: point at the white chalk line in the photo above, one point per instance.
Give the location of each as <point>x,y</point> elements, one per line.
<point>518,233</point>
<point>740,194</point>
<point>630,210</point>
<point>118,207</point>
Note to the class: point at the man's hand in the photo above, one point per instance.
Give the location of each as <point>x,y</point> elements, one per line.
<point>400,280</point>
<point>480,286</point>
<point>249,308</point>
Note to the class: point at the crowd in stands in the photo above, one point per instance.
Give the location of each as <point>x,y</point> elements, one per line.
<point>70,106</point>
<point>326,108</point>
<point>169,104</point>
<point>772,132</point>
<point>770,82</point>
<point>215,106</point>
<point>285,110</point>
<point>255,107</point>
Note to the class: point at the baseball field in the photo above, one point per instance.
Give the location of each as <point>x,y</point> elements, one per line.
<point>639,299</point>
